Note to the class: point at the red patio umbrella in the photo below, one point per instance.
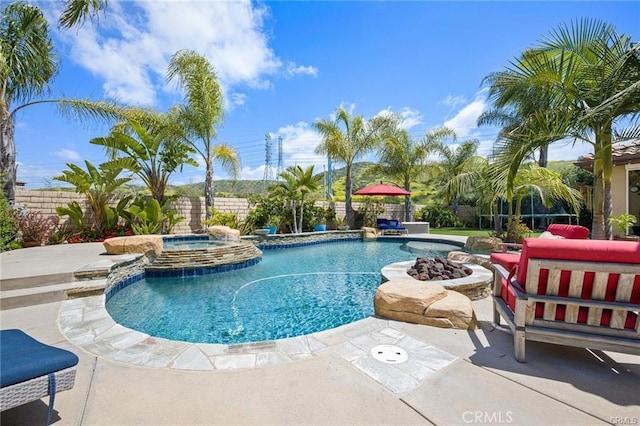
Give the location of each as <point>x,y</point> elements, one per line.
<point>382,189</point>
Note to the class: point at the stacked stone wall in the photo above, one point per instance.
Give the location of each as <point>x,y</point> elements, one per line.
<point>191,208</point>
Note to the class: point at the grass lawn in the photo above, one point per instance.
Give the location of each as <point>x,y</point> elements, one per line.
<point>468,232</point>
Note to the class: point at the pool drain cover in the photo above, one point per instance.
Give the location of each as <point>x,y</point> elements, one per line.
<point>389,354</point>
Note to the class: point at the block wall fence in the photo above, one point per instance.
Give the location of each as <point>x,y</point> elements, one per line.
<point>192,208</point>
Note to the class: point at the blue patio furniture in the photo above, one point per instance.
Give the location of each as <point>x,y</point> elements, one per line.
<point>382,223</point>
<point>390,226</point>
<point>31,370</point>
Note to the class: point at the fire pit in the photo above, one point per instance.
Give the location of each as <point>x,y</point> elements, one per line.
<point>476,285</point>
<point>437,269</point>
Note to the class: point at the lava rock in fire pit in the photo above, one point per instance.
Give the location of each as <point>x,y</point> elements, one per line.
<point>437,269</point>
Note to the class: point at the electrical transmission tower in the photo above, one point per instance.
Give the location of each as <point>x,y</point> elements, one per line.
<point>280,166</point>
<point>268,168</point>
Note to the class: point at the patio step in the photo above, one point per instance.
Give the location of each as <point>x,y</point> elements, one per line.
<point>55,292</point>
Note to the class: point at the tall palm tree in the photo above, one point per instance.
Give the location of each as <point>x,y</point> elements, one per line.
<point>401,159</point>
<point>152,154</point>
<point>592,76</point>
<point>201,114</point>
<point>27,64</point>
<point>453,164</point>
<point>347,139</point>
<point>295,185</point>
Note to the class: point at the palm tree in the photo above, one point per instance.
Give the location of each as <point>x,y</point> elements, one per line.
<point>592,77</point>
<point>454,165</point>
<point>27,64</point>
<point>76,11</point>
<point>348,138</point>
<point>401,159</point>
<point>97,184</point>
<point>296,184</point>
<point>547,184</point>
<point>201,114</point>
<point>151,154</point>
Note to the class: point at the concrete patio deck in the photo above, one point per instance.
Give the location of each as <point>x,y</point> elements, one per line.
<point>453,376</point>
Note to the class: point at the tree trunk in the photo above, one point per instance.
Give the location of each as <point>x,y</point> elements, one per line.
<point>454,204</point>
<point>602,169</point>
<point>607,172</point>
<point>8,157</point>
<point>208,189</point>
<point>301,213</point>
<point>294,210</point>
<point>543,159</point>
<point>407,202</point>
<point>347,195</point>
<point>407,208</point>
<point>497,219</point>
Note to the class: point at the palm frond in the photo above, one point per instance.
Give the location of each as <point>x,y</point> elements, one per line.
<point>75,12</point>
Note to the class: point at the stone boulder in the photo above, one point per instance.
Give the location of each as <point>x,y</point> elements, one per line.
<point>424,303</point>
<point>478,244</point>
<point>463,257</point>
<point>134,244</point>
<point>370,234</point>
<point>222,232</point>
<point>454,311</point>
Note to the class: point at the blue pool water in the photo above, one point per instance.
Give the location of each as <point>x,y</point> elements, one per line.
<point>292,292</point>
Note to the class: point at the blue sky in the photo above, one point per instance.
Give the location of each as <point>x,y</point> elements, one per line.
<point>285,64</point>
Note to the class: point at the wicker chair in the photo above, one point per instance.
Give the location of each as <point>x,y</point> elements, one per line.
<point>31,370</point>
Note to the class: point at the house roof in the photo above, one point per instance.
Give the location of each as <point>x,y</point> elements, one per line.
<point>627,152</point>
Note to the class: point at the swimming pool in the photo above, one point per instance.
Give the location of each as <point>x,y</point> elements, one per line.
<point>292,292</point>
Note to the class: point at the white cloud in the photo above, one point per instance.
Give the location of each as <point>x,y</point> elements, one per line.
<point>299,142</point>
<point>132,44</point>
<point>38,176</point>
<point>67,154</point>
<point>410,117</point>
<point>254,173</point>
<point>453,101</point>
<point>293,70</point>
<point>235,99</point>
<point>464,123</point>
<point>568,151</point>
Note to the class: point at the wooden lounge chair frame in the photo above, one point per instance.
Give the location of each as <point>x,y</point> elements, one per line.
<point>525,326</point>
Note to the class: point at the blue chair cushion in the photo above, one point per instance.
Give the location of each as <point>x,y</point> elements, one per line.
<point>382,223</point>
<point>23,358</point>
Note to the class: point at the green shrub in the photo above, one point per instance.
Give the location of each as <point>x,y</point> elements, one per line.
<point>368,213</point>
<point>263,209</point>
<point>439,216</point>
<point>8,226</point>
<point>220,218</point>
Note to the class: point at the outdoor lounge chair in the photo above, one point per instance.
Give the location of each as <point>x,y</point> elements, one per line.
<point>509,260</point>
<point>572,292</point>
<point>390,225</point>
<point>31,370</point>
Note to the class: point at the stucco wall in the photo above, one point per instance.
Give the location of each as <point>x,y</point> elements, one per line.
<point>618,191</point>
